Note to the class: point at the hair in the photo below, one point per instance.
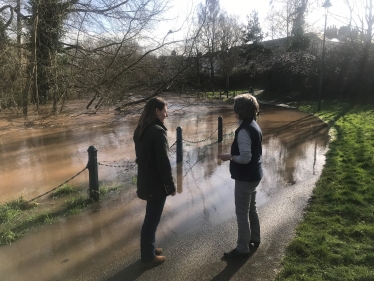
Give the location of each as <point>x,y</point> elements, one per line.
<point>148,115</point>
<point>246,106</point>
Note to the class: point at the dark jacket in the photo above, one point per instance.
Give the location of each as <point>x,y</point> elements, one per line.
<point>155,178</point>
<point>253,170</point>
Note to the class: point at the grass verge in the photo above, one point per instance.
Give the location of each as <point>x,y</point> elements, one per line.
<point>335,241</point>
<point>19,216</point>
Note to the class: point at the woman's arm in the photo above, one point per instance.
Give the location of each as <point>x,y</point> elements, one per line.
<point>244,143</point>
<point>245,154</point>
<point>161,149</point>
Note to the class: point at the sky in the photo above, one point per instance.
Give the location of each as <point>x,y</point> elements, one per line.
<point>337,12</point>
<point>242,8</point>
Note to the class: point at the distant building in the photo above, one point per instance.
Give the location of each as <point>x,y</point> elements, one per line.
<point>315,44</point>
<point>344,33</point>
<point>331,32</point>
<point>279,45</point>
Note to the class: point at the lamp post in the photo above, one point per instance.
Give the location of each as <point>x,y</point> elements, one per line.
<point>326,5</point>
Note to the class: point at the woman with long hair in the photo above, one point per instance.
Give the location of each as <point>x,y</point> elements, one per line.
<point>246,169</point>
<point>154,179</point>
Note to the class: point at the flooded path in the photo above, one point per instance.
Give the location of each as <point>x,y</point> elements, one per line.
<point>102,243</point>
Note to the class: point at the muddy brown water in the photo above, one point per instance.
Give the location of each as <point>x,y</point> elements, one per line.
<point>35,159</point>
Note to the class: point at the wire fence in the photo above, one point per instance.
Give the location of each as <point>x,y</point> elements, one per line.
<point>53,189</point>
<point>173,144</point>
<point>93,163</point>
<point>189,141</point>
<point>118,166</point>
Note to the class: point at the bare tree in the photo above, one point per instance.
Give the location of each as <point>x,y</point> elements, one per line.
<point>283,14</point>
<point>10,60</point>
<point>231,33</point>
<point>208,19</point>
<point>361,19</point>
<point>79,48</point>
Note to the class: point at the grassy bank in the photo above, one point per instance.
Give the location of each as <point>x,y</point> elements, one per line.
<point>335,241</point>
<point>18,216</point>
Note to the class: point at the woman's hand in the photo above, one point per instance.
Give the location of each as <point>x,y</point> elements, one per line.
<point>224,157</point>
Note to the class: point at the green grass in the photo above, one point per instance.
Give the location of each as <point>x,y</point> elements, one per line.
<point>18,216</point>
<point>76,204</point>
<point>10,214</point>
<point>104,190</point>
<point>335,241</point>
<point>12,210</point>
<point>64,190</point>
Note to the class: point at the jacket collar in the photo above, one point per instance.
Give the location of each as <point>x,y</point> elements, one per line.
<point>242,123</point>
<point>158,122</point>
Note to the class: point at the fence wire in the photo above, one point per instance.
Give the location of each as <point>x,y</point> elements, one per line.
<point>173,144</point>
<point>118,166</point>
<point>128,168</point>
<point>232,128</point>
<point>65,182</point>
<point>191,166</point>
<point>200,140</point>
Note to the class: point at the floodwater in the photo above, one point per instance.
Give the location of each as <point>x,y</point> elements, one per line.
<point>34,160</point>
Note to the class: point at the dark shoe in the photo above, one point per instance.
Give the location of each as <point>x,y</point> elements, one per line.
<point>158,251</point>
<point>255,244</point>
<point>235,254</point>
<point>157,260</point>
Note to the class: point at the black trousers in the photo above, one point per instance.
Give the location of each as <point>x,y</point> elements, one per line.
<point>148,234</point>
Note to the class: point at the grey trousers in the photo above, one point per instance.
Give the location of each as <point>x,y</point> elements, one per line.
<point>246,214</point>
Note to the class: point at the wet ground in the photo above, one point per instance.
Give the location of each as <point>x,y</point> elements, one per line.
<point>198,224</point>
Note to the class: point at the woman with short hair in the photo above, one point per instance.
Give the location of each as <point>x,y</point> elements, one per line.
<point>154,179</point>
<point>246,169</point>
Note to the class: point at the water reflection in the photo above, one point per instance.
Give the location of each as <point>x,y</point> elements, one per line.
<point>179,177</point>
<point>293,153</point>
<point>33,161</point>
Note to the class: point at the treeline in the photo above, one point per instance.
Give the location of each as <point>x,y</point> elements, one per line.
<point>55,50</point>
<point>348,68</point>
